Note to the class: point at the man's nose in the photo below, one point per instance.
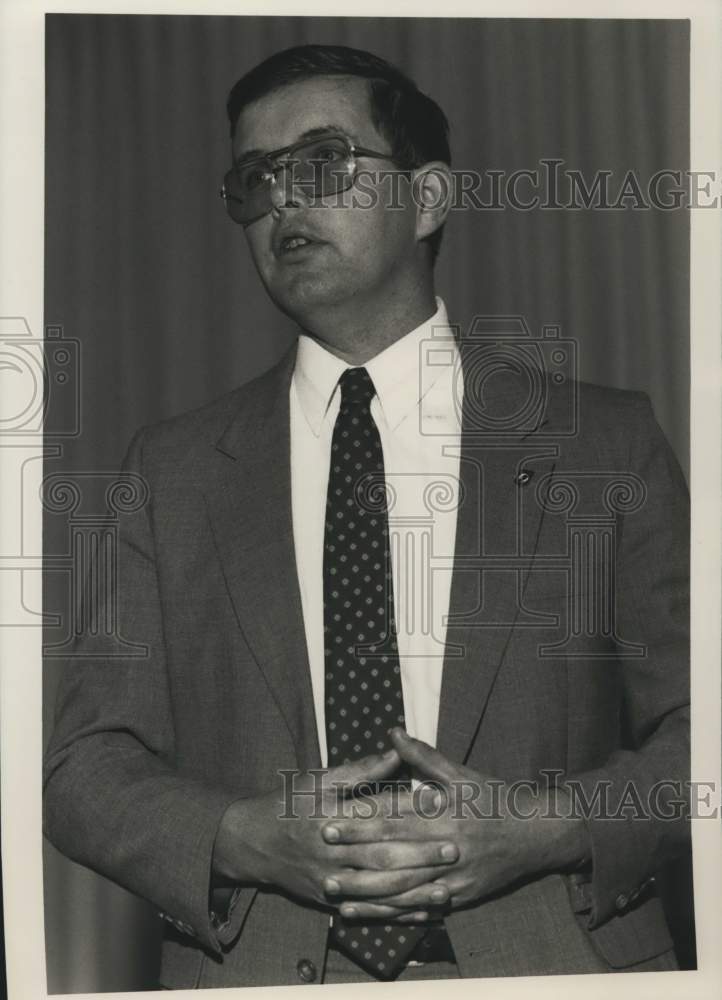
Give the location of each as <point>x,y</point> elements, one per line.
<point>284,192</point>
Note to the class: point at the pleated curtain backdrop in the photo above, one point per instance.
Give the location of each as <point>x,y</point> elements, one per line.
<point>146,271</point>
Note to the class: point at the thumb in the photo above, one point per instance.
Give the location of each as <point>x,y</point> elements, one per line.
<point>367,769</point>
<point>430,763</point>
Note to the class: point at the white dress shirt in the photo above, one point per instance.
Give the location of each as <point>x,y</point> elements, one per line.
<point>417,410</point>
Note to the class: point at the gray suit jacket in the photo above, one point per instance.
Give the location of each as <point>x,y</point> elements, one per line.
<point>148,753</point>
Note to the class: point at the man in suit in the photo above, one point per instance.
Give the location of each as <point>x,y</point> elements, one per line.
<point>523,748</point>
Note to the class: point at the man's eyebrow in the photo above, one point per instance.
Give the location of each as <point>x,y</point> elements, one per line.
<point>311,133</point>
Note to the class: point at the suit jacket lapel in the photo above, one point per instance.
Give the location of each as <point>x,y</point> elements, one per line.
<point>249,503</point>
<point>498,526</point>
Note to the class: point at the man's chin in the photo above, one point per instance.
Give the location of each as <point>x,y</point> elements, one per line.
<point>305,295</point>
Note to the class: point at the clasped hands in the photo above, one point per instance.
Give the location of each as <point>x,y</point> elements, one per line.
<point>397,855</point>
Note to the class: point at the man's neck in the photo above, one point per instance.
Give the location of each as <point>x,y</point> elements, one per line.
<point>359,336</point>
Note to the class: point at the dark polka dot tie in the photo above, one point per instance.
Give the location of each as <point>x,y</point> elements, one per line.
<point>363,694</point>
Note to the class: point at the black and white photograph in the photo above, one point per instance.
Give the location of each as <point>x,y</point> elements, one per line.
<point>359,425</point>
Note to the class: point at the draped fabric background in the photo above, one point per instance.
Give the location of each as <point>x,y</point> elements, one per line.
<point>143,267</point>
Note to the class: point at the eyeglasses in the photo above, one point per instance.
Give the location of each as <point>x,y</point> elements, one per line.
<point>319,167</point>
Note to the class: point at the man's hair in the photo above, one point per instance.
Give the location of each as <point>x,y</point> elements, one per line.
<point>413,123</point>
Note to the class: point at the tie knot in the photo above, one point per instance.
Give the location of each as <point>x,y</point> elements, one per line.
<point>357,388</point>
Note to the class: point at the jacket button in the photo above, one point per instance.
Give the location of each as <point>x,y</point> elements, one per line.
<point>621,901</point>
<point>306,970</point>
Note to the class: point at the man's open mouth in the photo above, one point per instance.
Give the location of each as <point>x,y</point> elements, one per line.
<point>295,242</point>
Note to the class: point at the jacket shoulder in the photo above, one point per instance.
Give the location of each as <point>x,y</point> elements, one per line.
<point>603,398</point>
<point>618,428</point>
<point>183,436</point>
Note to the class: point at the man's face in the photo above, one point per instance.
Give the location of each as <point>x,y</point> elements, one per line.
<point>357,252</point>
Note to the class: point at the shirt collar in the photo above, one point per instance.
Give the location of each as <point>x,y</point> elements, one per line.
<point>401,373</point>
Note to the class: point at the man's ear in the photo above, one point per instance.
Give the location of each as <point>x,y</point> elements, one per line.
<point>433,191</point>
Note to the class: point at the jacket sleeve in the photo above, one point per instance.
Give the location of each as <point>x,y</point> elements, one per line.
<point>113,800</point>
<point>639,815</point>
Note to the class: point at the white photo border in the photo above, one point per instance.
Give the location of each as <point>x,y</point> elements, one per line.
<point>21,294</point>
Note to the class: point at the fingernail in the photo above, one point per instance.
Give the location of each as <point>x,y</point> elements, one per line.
<point>332,833</point>
<point>389,753</point>
<point>349,911</point>
<point>448,852</point>
<point>421,916</point>
<point>331,885</point>
<point>438,894</point>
